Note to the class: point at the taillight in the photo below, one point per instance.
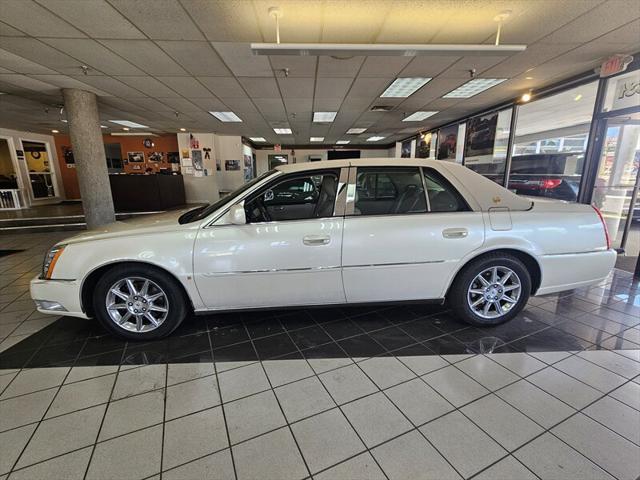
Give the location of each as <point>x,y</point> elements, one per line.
<point>551,182</point>
<point>604,225</point>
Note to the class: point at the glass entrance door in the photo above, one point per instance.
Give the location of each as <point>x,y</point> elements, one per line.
<point>616,188</point>
<point>39,169</point>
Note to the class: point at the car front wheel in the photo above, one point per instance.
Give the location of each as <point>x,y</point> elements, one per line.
<point>490,290</point>
<point>138,302</point>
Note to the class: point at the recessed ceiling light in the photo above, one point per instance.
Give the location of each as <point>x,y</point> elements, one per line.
<point>226,116</point>
<point>418,116</point>
<point>282,131</point>
<point>577,97</point>
<point>257,139</point>
<point>403,87</point>
<point>374,138</point>
<point>316,139</point>
<point>126,129</point>
<point>64,121</point>
<point>183,129</point>
<point>127,123</point>
<point>103,126</point>
<point>342,142</point>
<point>525,97</point>
<point>474,87</point>
<point>355,131</point>
<point>324,116</point>
<point>55,131</point>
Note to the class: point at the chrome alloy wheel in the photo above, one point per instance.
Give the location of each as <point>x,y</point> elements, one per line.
<point>137,304</point>
<point>493,292</point>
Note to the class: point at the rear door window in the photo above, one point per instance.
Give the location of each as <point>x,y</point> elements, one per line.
<point>389,191</point>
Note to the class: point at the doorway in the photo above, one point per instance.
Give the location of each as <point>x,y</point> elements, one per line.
<point>39,170</point>
<point>617,184</point>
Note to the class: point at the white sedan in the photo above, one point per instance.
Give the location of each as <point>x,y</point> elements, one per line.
<point>325,233</point>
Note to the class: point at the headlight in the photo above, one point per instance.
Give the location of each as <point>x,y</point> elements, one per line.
<point>50,260</point>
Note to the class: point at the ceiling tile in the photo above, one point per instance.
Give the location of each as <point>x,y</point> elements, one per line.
<point>298,106</point>
<point>198,58</point>
<point>148,85</point>
<point>327,104</point>
<point>302,21</point>
<point>241,61</point>
<point>110,85</point>
<point>427,66</point>
<point>159,19</point>
<point>327,87</point>
<point>237,105</point>
<point>18,64</point>
<point>8,31</point>
<point>296,87</point>
<point>297,66</point>
<point>38,52</point>
<point>29,83</point>
<point>223,86</point>
<point>35,20</point>
<point>383,66</point>
<point>180,104</point>
<point>260,87</point>
<point>228,21</point>
<point>462,68</point>
<point>145,55</point>
<point>96,18</point>
<point>186,86</point>
<point>369,87</point>
<point>94,55</point>
<point>337,67</point>
<point>353,22</point>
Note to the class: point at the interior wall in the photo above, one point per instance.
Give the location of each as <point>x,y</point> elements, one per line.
<point>302,155</point>
<point>199,189</point>
<point>165,143</point>
<point>229,147</point>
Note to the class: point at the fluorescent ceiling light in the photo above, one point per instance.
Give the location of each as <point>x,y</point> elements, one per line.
<point>418,116</point>
<point>257,139</point>
<point>474,87</point>
<point>355,131</point>
<point>226,116</point>
<point>282,131</point>
<point>342,142</point>
<point>64,121</point>
<point>127,123</point>
<point>316,139</point>
<point>382,49</point>
<point>103,126</point>
<point>133,134</point>
<point>403,87</point>
<point>374,138</point>
<point>324,116</point>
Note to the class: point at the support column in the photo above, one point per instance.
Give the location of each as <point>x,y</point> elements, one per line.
<point>88,152</point>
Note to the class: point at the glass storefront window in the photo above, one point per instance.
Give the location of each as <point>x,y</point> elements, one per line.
<point>487,140</point>
<point>550,143</point>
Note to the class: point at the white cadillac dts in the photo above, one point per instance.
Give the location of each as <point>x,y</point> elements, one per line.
<point>322,233</point>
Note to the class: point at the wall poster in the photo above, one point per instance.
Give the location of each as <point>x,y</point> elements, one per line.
<point>481,135</point>
<point>196,157</point>
<point>405,148</point>
<point>135,157</point>
<point>156,157</point>
<point>232,165</point>
<point>423,145</point>
<point>447,139</point>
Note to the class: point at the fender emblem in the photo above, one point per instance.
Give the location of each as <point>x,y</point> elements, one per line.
<point>496,199</point>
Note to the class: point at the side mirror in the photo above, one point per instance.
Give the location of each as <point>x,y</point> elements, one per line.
<point>237,215</point>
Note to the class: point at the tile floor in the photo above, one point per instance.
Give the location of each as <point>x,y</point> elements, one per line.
<point>402,392</point>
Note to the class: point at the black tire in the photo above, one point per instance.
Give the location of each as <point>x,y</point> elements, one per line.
<point>457,297</point>
<point>176,301</point>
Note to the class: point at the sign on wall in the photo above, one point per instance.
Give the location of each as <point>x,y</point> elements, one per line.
<point>627,92</point>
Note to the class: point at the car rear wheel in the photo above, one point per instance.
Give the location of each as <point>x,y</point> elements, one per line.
<point>138,302</point>
<point>490,290</point>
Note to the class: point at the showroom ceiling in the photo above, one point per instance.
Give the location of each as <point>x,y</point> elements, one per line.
<point>167,63</point>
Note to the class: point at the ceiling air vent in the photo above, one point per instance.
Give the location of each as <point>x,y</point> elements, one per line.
<point>381,108</point>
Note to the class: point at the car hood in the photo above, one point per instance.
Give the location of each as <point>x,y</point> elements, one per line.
<point>144,224</point>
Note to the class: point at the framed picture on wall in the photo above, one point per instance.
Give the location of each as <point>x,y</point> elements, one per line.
<point>405,148</point>
<point>423,145</point>
<point>481,135</point>
<point>196,158</point>
<point>447,140</point>
<point>156,157</point>
<point>67,152</point>
<point>135,157</point>
<point>232,165</point>
<point>173,157</point>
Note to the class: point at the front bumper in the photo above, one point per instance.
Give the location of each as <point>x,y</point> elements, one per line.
<point>57,297</point>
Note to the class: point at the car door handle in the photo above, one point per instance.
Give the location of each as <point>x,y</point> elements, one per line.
<point>455,233</point>
<point>316,240</point>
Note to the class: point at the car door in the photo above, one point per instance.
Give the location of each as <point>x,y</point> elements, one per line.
<point>288,252</point>
<point>398,243</point>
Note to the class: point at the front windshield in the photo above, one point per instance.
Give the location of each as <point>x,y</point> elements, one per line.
<point>202,212</point>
